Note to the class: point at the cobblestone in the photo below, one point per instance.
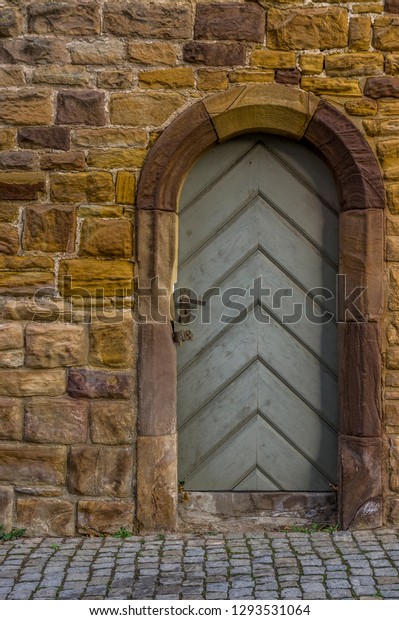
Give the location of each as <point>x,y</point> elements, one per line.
<point>270,565</point>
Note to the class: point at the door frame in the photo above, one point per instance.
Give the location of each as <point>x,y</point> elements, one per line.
<point>299,115</point>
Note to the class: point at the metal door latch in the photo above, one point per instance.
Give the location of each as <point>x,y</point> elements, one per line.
<point>183,335</point>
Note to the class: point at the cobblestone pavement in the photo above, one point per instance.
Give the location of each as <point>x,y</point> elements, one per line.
<point>271,565</point>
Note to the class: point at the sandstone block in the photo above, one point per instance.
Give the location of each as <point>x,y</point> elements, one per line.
<point>267,59</point>
<point>104,517</point>
<point>11,419</point>
<point>100,52</point>
<point>33,51</point>
<point>383,127</point>
<point>360,33</point>
<point>108,238</point>
<point>49,346</point>
<point>115,79</point>
<point>82,187</point>
<point>24,275</point>
<point>11,76</point>
<point>31,464</point>
<point>125,188</point>
<point>46,517</point>
<point>116,158</point>
<point>361,107</point>
<point>143,108</point>
<point>25,107</point>
<point>14,358</point>
<point>6,507</point>
<point>101,470</point>
<point>111,344</point>
<point>89,276</point>
<point>392,358</point>
<point>109,137</point>
<point>311,64</point>
<point>100,211</point>
<point>388,153</point>
<point>208,79</point>
<point>309,28</point>
<point>177,77</point>
<point>67,75</point>
<point>392,249</point>
<point>214,54</point>
<point>84,107</point>
<point>49,228</point>
<point>26,382</point>
<point>288,76</point>
<point>248,76</point>
<point>146,21</point>
<point>112,422</point>
<point>73,160</point>
<point>391,6</point>
<point>17,160</point>
<point>99,384</point>
<point>392,64</point>
<point>154,53</point>
<point>9,239</point>
<point>347,65</point>
<point>7,139</point>
<point>63,18</point>
<point>10,22</point>
<point>386,33</point>
<point>11,336</point>
<point>9,212</point>
<point>239,22</point>
<point>21,185</point>
<point>44,137</point>
<point>393,197</point>
<point>331,86</point>
<point>56,420</point>
<point>380,87</point>
<point>393,288</point>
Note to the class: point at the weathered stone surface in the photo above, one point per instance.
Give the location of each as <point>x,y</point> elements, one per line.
<point>14,358</point>
<point>10,22</point>
<point>18,160</point>
<point>111,344</point>
<point>64,18</point>
<point>379,87</point>
<point>208,79</point>
<point>392,226</point>
<point>383,127</point>
<point>361,107</point>
<point>154,53</point>
<point>157,380</point>
<point>25,107</point>
<point>143,109</point>
<point>355,168</point>
<point>73,160</point>
<point>44,137</point>
<point>89,276</point>
<point>360,372</point>
<point>392,64</point>
<point>125,188</point>
<point>101,470</point>
<point>360,33</point>
<point>158,21</point>
<point>80,107</point>
<point>392,426</point>
<point>393,455</point>
<point>247,76</point>
<point>21,185</point>
<point>100,52</point>
<point>239,22</point>
<point>331,86</point>
<point>11,419</point>
<point>11,336</point>
<point>108,238</point>
<point>56,420</point>
<point>112,422</point>
<point>82,187</point>
<point>49,228</point>
<point>115,79</point>
<point>267,59</point>
<point>9,239</point>
<point>33,51</point>
<point>46,517</point>
<point>26,382</point>
<point>288,76</point>
<point>393,198</point>
<point>388,153</point>
<point>268,107</point>
<point>311,64</point>
<point>9,212</point>
<point>393,289</point>
<point>176,77</point>
<point>392,249</point>
<point>392,358</point>
<point>116,158</point>
<point>6,507</point>
<point>7,138</point>
<point>11,76</point>
<point>32,464</point>
<point>157,482</point>
<point>108,137</point>
<point>67,75</point>
<point>104,517</point>
<point>360,486</point>
<point>309,28</point>
<point>347,65</point>
<point>167,162</point>
<point>391,6</point>
<point>386,33</point>
<point>214,54</point>
<point>100,211</point>
<point>99,384</point>
<point>361,260</point>
<point>49,346</point>
<point>24,275</point>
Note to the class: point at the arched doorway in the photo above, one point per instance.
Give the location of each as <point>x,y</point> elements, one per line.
<point>303,117</point>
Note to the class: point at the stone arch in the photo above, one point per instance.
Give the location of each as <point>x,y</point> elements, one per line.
<point>299,115</point>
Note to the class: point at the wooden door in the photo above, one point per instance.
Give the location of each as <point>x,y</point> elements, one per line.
<point>257,386</point>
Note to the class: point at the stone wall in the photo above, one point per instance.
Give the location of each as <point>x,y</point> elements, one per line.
<point>86,89</point>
